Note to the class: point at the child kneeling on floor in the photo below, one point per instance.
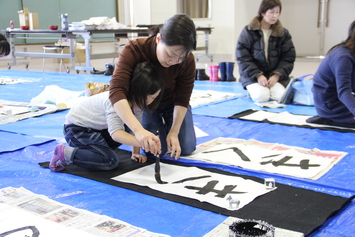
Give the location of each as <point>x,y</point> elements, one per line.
<point>93,129</point>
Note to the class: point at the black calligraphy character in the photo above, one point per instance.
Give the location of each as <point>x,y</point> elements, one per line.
<point>191,179</point>
<point>35,232</point>
<point>235,150</point>
<point>270,156</point>
<point>209,187</point>
<point>304,164</point>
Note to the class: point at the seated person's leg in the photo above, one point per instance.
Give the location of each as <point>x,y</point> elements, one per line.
<point>91,149</point>
<point>258,93</point>
<point>325,121</point>
<point>277,91</point>
<point>153,122</point>
<point>162,119</point>
<point>187,136</point>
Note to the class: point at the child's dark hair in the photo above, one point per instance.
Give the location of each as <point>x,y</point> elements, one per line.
<point>177,30</point>
<point>145,80</point>
<point>4,46</point>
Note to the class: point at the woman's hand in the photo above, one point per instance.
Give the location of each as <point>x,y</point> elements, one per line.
<point>149,142</point>
<point>173,145</point>
<point>273,80</point>
<point>139,158</point>
<point>262,80</point>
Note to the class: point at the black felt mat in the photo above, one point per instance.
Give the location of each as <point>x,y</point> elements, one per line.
<point>286,207</point>
<point>327,126</point>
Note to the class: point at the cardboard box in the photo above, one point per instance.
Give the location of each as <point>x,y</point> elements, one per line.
<point>23,17</point>
<point>33,21</point>
<point>27,18</point>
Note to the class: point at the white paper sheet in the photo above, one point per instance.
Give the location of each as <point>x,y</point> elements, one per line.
<point>200,97</point>
<point>290,162</point>
<point>197,184</point>
<point>21,208</point>
<point>285,118</point>
<point>269,157</point>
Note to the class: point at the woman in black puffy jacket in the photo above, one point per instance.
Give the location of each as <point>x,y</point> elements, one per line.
<point>265,54</point>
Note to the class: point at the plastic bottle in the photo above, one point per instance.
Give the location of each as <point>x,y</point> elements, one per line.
<point>65,23</point>
<point>12,24</point>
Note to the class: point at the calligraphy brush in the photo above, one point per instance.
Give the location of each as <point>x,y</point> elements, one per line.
<point>157,168</point>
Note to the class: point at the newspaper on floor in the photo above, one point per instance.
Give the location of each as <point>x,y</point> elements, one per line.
<point>26,212</point>
<point>9,80</point>
<point>11,111</point>
<point>269,157</point>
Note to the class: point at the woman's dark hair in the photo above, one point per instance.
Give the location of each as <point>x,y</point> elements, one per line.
<point>145,80</point>
<point>267,5</point>
<point>177,30</point>
<point>4,46</point>
<point>350,41</point>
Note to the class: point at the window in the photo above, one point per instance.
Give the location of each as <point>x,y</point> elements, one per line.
<point>195,8</point>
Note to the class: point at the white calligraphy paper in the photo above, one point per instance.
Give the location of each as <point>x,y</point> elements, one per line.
<point>289,162</point>
<point>197,184</point>
<point>201,97</point>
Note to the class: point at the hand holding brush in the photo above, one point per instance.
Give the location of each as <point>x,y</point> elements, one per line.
<point>157,169</point>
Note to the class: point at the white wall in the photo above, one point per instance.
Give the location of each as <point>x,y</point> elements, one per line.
<point>230,16</point>
<point>142,13</point>
<point>222,39</point>
<point>228,19</point>
<point>341,15</point>
<point>162,10</point>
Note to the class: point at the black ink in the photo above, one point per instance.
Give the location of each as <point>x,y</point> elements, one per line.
<point>209,187</point>
<point>35,232</point>
<point>157,171</point>
<point>191,179</point>
<point>304,164</point>
<point>270,156</point>
<point>235,149</point>
<point>252,228</point>
<point>157,168</point>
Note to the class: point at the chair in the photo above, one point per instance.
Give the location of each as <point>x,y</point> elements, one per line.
<point>60,48</point>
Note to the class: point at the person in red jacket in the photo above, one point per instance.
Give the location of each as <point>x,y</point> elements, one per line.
<point>169,47</point>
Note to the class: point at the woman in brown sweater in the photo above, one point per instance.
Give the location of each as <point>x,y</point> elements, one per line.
<point>169,48</point>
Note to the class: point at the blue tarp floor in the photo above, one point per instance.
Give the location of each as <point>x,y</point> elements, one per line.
<point>25,143</point>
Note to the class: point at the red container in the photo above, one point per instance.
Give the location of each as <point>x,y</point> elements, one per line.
<point>52,27</point>
<point>25,27</point>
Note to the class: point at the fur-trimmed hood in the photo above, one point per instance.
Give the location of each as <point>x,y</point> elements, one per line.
<point>277,28</point>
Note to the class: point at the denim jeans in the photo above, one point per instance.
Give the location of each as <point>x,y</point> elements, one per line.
<point>93,149</point>
<point>162,120</point>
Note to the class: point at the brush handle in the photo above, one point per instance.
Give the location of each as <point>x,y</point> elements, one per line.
<point>157,164</point>
<point>157,168</point>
